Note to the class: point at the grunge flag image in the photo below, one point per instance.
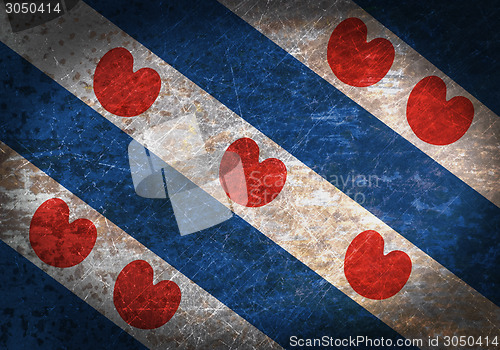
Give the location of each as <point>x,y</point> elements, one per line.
<point>249,175</point>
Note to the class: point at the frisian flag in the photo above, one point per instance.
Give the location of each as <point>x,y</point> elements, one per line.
<point>245,187</point>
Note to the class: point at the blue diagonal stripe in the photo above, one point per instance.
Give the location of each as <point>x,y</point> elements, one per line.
<point>324,129</point>
<point>233,261</point>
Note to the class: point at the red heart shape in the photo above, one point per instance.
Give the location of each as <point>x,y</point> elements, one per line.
<point>371,273</point>
<point>355,61</point>
<point>245,180</point>
<point>141,303</point>
<point>56,241</point>
<point>432,118</point>
<point>119,89</point>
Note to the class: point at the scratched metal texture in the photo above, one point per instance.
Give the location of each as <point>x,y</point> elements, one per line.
<point>252,273</point>
<point>201,321</point>
<point>290,300</point>
<point>310,219</point>
<point>321,127</point>
<point>79,170</point>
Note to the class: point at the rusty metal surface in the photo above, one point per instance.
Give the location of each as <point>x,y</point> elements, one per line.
<point>312,218</point>
<point>201,320</point>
